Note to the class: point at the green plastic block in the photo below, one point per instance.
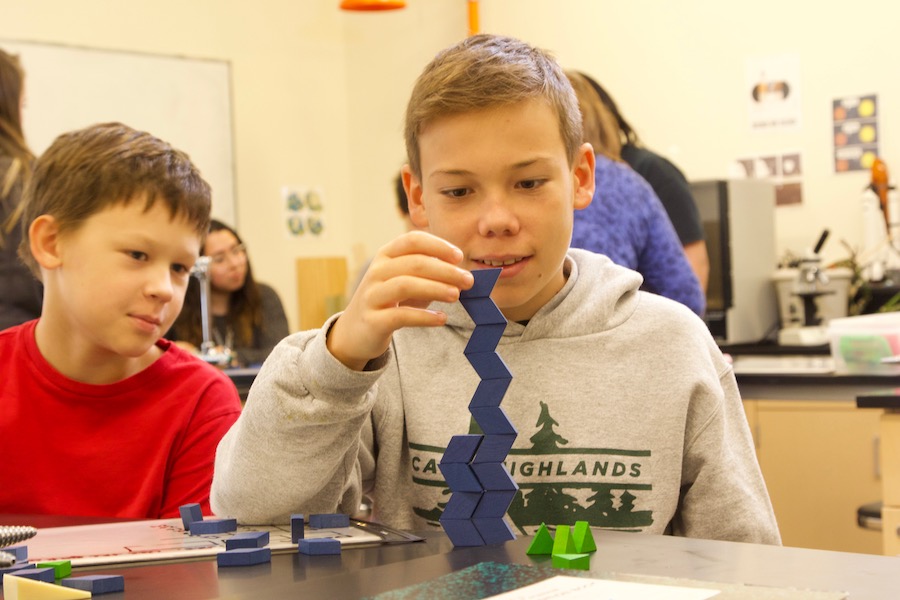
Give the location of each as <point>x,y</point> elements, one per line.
<point>542,542</point>
<point>563,542</point>
<point>584,539</point>
<point>572,561</point>
<point>61,568</point>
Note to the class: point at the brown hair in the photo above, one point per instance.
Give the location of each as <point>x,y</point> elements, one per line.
<point>12,140</point>
<point>600,128</point>
<point>86,171</point>
<point>486,71</point>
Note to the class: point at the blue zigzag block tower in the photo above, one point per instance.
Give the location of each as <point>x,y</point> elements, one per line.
<point>481,489</point>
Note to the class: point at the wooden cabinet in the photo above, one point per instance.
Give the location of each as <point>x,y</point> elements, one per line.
<point>820,460</point>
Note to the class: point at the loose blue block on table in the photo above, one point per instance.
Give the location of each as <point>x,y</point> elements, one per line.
<point>494,449</point>
<point>461,449</point>
<point>15,569</point>
<point>328,521</point>
<point>462,532</point>
<point>460,477</point>
<point>485,280</point>
<point>483,311</point>
<point>96,584</point>
<point>249,539</point>
<point>494,504</point>
<point>319,546</point>
<point>485,338</point>
<point>494,476</point>
<point>297,525</point>
<point>489,365</point>
<point>493,420</point>
<point>209,526</point>
<point>47,574</point>
<point>490,392</point>
<point>494,530</point>
<point>461,505</point>
<point>244,557</point>
<point>189,514</point>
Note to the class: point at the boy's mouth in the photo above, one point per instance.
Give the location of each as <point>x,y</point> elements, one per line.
<point>498,262</point>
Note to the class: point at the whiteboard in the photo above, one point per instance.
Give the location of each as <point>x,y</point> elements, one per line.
<point>184,101</point>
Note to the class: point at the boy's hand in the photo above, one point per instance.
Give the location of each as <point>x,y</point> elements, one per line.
<point>405,276</point>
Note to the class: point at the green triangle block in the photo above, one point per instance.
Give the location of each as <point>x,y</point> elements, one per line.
<point>563,542</point>
<point>542,542</point>
<point>584,539</point>
<point>572,561</point>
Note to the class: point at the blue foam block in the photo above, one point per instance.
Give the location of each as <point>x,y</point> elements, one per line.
<point>244,557</point>
<point>329,521</point>
<point>190,513</point>
<point>460,477</point>
<point>47,574</point>
<point>461,505</point>
<point>489,365</point>
<point>15,569</point>
<point>96,584</point>
<point>461,449</point>
<point>485,280</point>
<point>20,552</point>
<point>494,449</point>
<point>249,539</point>
<point>493,420</point>
<point>490,392</point>
<point>208,526</point>
<point>494,503</point>
<point>494,531</point>
<point>297,525</point>
<point>483,311</point>
<point>494,477</point>
<point>462,532</point>
<point>319,546</point>
<point>485,338</point>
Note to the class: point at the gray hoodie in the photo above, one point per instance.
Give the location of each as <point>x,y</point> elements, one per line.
<point>628,417</point>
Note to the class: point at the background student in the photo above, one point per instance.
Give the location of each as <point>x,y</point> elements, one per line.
<point>248,317</point>
<point>627,414</point>
<point>667,181</point>
<point>99,415</point>
<point>20,292</point>
<point>626,221</point>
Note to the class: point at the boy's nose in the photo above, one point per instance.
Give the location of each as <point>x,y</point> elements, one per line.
<point>498,216</point>
<point>160,286</point>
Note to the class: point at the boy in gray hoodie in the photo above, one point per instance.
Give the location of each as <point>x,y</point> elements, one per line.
<point>627,414</point>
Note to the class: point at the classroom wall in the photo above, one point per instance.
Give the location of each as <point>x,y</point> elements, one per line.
<point>290,100</point>
<point>319,93</point>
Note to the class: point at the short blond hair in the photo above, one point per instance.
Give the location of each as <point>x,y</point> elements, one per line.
<point>599,124</point>
<point>86,171</point>
<point>486,71</point>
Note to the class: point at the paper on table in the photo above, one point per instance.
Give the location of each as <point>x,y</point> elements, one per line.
<point>138,541</point>
<point>579,588</point>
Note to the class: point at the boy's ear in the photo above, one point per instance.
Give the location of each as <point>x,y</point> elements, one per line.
<point>43,237</point>
<point>583,173</point>
<point>413,188</point>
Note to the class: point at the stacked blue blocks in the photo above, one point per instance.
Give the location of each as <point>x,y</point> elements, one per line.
<point>481,487</point>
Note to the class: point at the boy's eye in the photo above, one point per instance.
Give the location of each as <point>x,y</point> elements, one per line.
<point>137,254</point>
<point>181,269</point>
<point>456,192</point>
<point>531,184</point>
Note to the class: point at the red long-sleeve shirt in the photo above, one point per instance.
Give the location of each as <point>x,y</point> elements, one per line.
<point>140,447</point>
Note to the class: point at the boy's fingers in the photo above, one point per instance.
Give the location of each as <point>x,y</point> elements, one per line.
<point>411,291</point>
<point>420,242</point>
<point>403,272</point>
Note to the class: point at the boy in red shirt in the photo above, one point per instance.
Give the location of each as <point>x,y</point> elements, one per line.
<point>99,416</point>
